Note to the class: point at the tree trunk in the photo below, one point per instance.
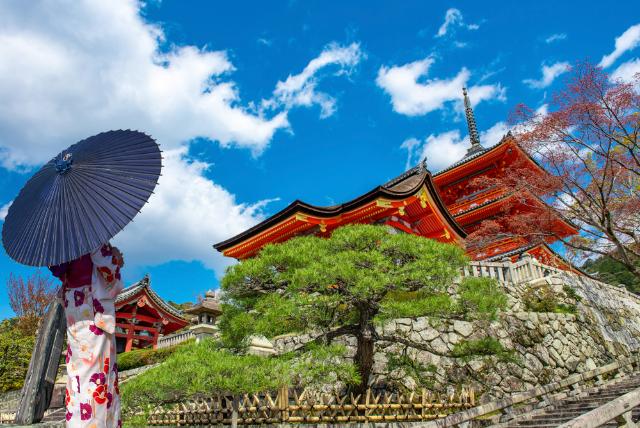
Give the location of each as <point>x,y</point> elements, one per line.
<point>366,349</point>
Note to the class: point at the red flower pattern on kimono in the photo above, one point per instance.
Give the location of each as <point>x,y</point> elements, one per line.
<point>85,411</point>
<point>95,330</point>
<point>106,273</point>
<point>97,306</point>
<point>100,394</point>
<point>78,297</point>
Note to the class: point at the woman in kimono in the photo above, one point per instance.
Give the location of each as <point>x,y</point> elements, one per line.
<point>90,285</point>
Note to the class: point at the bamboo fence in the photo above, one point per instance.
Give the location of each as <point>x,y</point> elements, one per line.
<point>301,406</point>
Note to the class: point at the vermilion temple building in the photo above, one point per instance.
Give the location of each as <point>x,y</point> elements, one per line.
<point>445,206</point>
<point>142,316</point>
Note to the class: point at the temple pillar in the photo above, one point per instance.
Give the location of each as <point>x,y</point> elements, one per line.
<point>129,344</point>
<point>155,339</point>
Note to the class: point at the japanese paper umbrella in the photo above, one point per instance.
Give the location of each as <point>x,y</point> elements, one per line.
<point>82,198</point>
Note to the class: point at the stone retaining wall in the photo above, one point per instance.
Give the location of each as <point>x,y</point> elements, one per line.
<point>548,346</point>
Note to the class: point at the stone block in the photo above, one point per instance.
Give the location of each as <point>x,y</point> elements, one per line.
<point>463,328</point>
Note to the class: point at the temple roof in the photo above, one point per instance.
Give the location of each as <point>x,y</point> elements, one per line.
<point>398,189</point>
<point>144,285</point>
<point>210,304</point>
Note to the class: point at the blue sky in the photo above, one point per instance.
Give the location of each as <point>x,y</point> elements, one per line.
<point>259,103</point>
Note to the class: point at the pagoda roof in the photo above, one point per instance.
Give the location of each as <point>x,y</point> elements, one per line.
<point>206,306</point>
<point>488,152</point>
<point>469,157</point>
<point>388,195</point>
<point>525,193</point>
<point>144,287</point>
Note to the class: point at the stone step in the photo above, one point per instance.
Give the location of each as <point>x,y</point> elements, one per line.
<point>572,407</point>
<point>545,421</point>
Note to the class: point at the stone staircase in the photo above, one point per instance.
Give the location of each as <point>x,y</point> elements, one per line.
<point>570,408</point>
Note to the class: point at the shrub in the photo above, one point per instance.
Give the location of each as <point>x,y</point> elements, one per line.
<point>144,357</point>
<point>15,354</point>
<point>204,369</point>
<point>571,293</point>
<point>481,298</point>
<point>487,346</point>
<point>542,298</point>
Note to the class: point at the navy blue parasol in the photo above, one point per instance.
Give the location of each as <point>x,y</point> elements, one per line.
<point>82,198</point>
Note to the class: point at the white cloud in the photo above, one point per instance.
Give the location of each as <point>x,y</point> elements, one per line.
<point>493,135</point>
<point>411,96</point>
<point>453,18</point>
<point>549,74</point>
<point>71,70</point>
<point>185,217</point>
<point>300,89</point>
<point>627,41</point>
<point>64,75</point>
<point>442,150</point>
<point>555,37</point>
<point>4,210</point>
<point>626,71</point>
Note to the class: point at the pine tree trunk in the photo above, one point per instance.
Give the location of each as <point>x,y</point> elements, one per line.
<point>364,354</point>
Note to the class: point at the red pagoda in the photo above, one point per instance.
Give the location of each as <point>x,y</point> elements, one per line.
<point>142,315</point>
<point>445,206</point>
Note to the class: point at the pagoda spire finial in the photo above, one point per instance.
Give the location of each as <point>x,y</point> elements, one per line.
<point>471,124</point>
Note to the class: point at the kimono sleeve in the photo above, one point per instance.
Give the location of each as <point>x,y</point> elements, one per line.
<point>105,285</point>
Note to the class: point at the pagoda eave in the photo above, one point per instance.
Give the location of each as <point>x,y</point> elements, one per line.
<point>413,199</point>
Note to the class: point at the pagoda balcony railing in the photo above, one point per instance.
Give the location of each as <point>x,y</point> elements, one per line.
<point>175,339</point>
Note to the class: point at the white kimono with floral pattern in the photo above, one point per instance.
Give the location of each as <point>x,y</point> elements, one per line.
<point>92,395</point>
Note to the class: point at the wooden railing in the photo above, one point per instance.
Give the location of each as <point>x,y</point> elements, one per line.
<point>175,339</point>
<point>527,269</point>
<point>537,397</point>
<point>301,406</point>
<point>618,410</point>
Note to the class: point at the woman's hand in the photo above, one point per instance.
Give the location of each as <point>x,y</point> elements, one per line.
<point>117,256</point>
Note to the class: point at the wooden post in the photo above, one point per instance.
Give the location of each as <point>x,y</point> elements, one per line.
<point>36,393</point>
<point>234,411</point>
<point>155,339</point>
<point>283,403</point>
<point>129,344</point>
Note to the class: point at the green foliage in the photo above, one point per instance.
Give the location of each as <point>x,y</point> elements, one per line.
<point>571,293</point>
<point>180,306</point>
<point>542,298</point>
<point>436,305</point>
<point>15,354</point>
<point>309,283</point>
<point>144,357</point>
<point>203,369</point>
<point>487,346</point>
<point>342,285</point>
<point>613,272</point>
<point>401,365</point>
<point>481,298</point>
